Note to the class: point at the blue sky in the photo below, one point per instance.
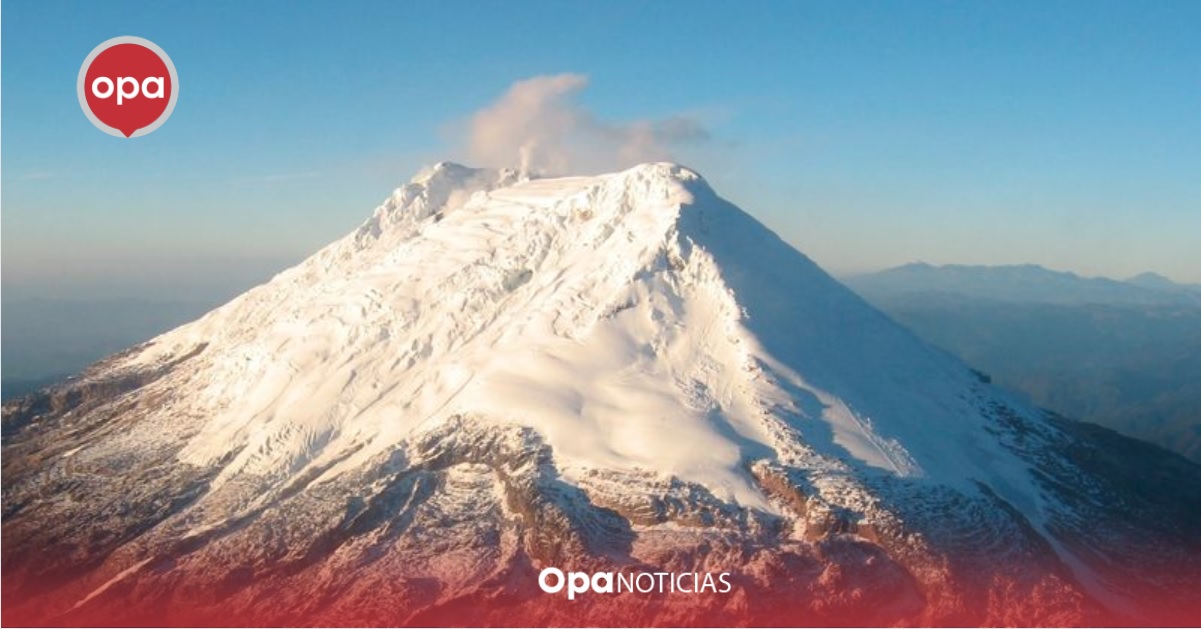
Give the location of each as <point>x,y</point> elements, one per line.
<point>868,134</point>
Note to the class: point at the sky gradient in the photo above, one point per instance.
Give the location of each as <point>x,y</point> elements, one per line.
<point>867,134</point>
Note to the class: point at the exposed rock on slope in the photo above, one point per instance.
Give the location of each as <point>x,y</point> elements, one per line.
<point>624,372</point>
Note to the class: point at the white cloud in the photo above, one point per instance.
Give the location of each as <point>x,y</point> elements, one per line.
<point>538,125</point>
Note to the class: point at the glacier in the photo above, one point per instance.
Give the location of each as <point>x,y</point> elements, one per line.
<point>498,372</point>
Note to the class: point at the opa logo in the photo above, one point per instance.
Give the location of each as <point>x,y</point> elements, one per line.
<point>552,581</point>
<point>128,87</point>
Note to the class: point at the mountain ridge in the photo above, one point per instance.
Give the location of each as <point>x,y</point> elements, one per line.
<point>496,373</point>
<point>1024,283</point>
<point>1123,357</point>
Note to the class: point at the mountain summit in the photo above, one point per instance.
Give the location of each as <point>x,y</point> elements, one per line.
<point>496,374</point>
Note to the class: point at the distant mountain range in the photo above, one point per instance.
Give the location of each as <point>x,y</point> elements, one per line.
<point>1124,354</point>
<point>1158,282</point>
<point>1026,283</point>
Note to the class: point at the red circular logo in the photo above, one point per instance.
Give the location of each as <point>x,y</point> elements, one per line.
<point>128,87</point>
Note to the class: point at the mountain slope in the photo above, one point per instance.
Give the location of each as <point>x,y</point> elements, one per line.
<point>1132,365</point>
<point>1156,281</point>
<point>495,375</point>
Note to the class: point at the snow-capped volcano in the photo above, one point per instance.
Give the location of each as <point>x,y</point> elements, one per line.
<point>497,374</point>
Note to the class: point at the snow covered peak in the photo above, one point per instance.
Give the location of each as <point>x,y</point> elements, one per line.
<point>565,349</point>
<point>662,170</point>
<point>635,320</point>
<point>447,183</point>
<point>451,175</point>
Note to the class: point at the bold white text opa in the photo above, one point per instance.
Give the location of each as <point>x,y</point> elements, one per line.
<point>127,87</point>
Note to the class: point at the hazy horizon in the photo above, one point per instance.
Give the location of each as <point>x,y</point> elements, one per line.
<point>867,135</point>
<point>204,279</point>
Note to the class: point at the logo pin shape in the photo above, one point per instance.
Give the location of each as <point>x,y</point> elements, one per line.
<point>128,87</point>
